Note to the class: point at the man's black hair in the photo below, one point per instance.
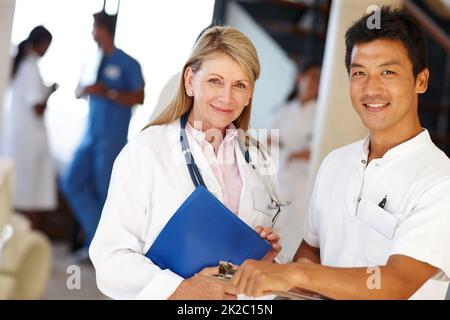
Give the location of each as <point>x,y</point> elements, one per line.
<point>395,24</point>
<point>105,20</point>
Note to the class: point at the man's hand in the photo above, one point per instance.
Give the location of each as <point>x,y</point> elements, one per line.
<point>273,238</point>
<point>257,278</point>
<point>97,89</point>
<point>199,287</point>
<point>124,98</point>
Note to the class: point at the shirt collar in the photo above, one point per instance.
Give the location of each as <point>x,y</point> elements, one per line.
<point>114,52</point>
<point>231,133</point>
<point>411,146</point>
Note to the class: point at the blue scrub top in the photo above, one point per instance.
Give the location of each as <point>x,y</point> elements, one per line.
<point>107,118</point>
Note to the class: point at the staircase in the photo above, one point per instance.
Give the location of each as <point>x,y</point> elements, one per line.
<point>434,105</point>
<point>299,27</point>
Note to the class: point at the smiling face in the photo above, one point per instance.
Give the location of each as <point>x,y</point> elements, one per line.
<point>382,86</point>
<point>221,90</point>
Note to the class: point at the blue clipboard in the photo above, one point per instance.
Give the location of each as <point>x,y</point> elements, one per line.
<point>203,232</point>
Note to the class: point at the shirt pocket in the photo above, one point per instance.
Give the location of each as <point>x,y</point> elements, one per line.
<point>112,72</point>
<point>380,226</point>
<point>262,202</point>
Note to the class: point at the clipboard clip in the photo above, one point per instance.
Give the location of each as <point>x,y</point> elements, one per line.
<point>226,270</point>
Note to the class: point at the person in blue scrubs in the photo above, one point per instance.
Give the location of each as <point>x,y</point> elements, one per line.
<point>118,88</point>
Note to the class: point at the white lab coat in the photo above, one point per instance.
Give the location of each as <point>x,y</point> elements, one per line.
<point>149,182</point>
<point>346,222</point>
<point>296,124</point>
<point>26,140</point>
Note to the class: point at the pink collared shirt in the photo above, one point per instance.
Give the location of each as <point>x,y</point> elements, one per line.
<point>224,165</point>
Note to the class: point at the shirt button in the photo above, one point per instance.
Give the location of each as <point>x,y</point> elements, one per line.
<point>363,161</point>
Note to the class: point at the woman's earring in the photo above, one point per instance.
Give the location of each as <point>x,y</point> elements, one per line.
<point>190,94</point>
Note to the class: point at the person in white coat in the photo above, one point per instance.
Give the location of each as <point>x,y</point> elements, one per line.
<point>295,122</point>
<point>150,178</point>
<point>26,140</point>
<point>379,217</point>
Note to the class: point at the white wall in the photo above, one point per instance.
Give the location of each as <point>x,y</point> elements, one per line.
<point>160,35</point>
<point>277,70</point>
<point>70,22</point>
<point>6,21</point>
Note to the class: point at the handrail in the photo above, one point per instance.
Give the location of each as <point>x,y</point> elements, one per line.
<point>279,26</point>
<point>435,31</point>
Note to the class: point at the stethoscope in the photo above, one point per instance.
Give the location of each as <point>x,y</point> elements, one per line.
<point>197,179</point>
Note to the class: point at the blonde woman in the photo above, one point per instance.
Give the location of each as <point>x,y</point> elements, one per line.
<point>150,178</point>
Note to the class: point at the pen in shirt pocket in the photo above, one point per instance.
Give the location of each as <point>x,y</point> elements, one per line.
<point>382,203</point>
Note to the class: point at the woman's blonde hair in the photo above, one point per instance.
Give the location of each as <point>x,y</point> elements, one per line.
<point>215,41</point>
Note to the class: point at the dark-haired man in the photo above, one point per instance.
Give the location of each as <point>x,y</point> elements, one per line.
<point>377,226</point>
<point>119,86</point>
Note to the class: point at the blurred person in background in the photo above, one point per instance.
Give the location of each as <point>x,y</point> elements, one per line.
<point>119,86</point>
<point>295,120</point>
<point>26,140</point>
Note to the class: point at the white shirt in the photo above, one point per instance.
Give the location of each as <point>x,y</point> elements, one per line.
<point>223,165</point>
<point>149,182</point>
<point>415,177</point>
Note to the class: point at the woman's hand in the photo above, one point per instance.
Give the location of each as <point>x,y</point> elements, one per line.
<point>39,109</point>
<point>273,238</point>
<point>200,287</point>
